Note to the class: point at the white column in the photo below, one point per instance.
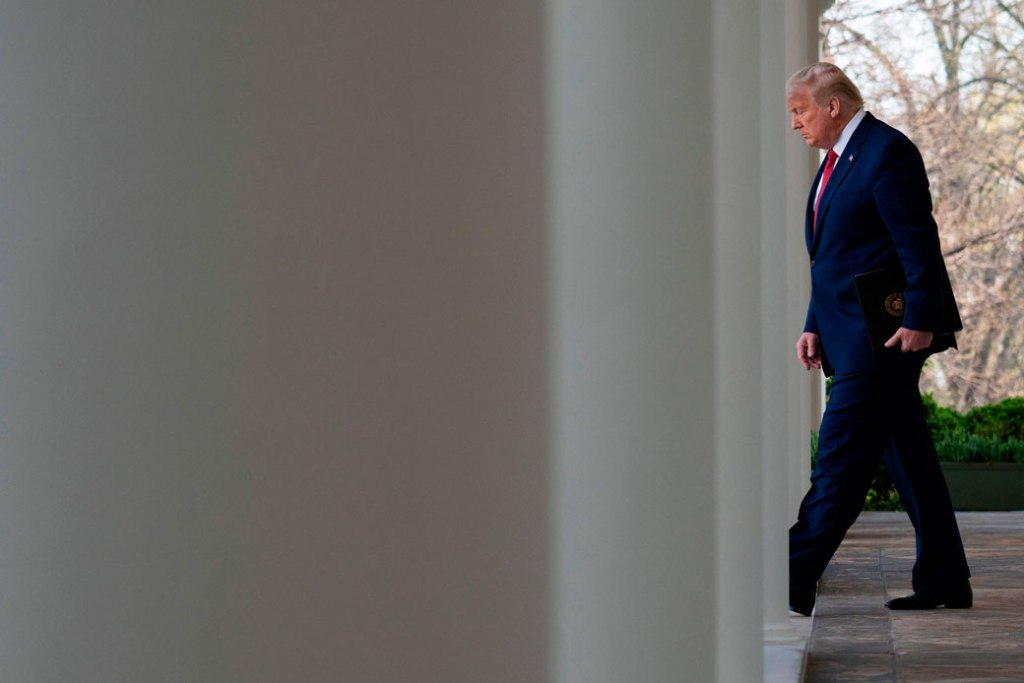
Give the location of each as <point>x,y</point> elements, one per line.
<point>787,391</point>
<point>779,399</point>
<point>633,341</point>
<point>801,165</point>
<point>739,225</point>
<point>272,342</point>
<point>656,212</point>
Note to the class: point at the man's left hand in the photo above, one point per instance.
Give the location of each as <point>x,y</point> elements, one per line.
<point>910,340</point>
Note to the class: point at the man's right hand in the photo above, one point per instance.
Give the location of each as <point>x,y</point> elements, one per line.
<point>808,351</point>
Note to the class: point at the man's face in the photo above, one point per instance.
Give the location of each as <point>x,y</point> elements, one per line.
<point>816,125</point>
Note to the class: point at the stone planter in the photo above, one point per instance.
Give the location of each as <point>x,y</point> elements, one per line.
<point>985,486</point>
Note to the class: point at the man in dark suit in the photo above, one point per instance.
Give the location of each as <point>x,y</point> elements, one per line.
<point>869,208</point>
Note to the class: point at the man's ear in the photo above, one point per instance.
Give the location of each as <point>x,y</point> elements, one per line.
<point>834,106</point>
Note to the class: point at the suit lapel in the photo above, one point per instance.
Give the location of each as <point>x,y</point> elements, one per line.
<point>809,233</point>
<point>843,166</point>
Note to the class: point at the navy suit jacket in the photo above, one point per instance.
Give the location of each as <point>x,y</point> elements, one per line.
<point>876,212</point>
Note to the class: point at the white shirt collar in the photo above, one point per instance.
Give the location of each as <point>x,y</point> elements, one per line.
<point>847,133</point>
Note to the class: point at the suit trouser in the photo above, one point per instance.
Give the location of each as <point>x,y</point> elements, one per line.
<point>872,416</point>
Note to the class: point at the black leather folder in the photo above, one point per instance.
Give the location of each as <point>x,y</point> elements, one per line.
<point>881,298</point>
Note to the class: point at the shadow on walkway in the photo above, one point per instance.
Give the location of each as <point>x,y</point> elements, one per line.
<point>854,638</point>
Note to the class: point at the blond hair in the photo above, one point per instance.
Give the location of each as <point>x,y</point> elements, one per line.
<point>826,81</point>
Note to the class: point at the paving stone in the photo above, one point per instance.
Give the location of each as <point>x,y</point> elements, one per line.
<point>854,638</point>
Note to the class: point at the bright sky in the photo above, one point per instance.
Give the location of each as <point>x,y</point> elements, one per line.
<point>912,29</point>
<point>917,54</point>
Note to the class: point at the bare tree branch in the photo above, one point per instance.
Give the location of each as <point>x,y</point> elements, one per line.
<point>964,110</point>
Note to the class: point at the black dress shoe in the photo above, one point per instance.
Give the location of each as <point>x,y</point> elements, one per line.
<point>959,597</point>
<point>802,602</point>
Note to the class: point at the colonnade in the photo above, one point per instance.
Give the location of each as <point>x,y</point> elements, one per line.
<point>397,341</point>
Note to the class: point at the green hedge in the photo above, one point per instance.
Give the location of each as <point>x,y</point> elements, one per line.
<point>991,433</point>
<point>1004,420</point>
<point>966,447</point>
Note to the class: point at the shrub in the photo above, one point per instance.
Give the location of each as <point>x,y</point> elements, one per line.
<point>1000,421</point>
<point>941,420</point>
<point>963,446</point>
<point>882,495</point>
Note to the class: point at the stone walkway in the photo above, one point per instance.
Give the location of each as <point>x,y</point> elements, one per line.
<point>854,638</point>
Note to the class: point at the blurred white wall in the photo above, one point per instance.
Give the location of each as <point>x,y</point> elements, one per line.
<point>376,342</point>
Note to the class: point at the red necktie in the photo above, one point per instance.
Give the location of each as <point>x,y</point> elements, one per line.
<point>830,163</point>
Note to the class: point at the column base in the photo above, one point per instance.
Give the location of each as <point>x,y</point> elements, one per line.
<point>785,650</point>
